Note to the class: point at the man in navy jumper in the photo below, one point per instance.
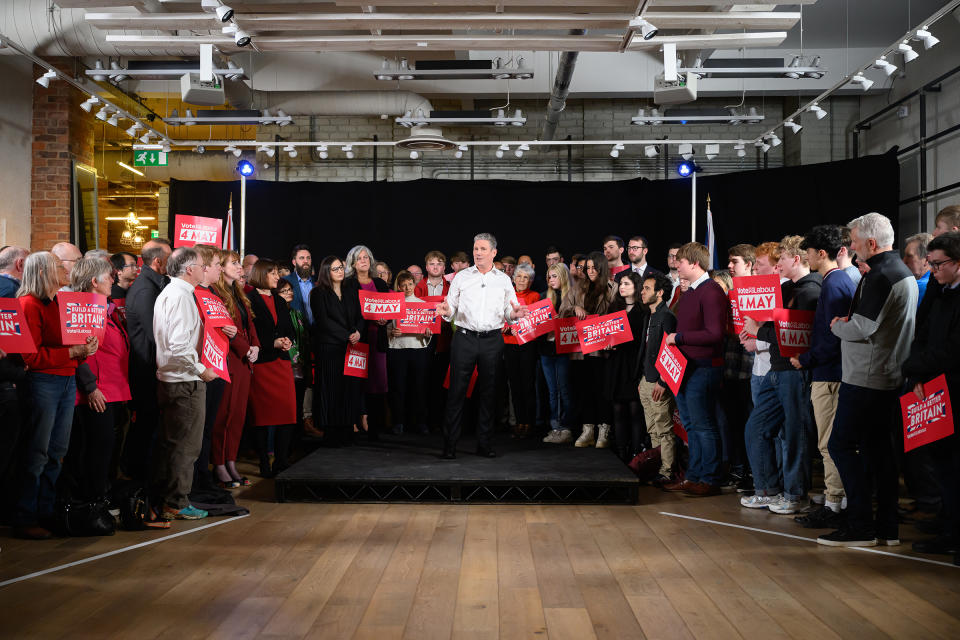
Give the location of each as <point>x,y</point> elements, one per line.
<point>701,322</point>
<point>822,244</point>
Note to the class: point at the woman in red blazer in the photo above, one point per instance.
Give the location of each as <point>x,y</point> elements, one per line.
<point>53,392</point>
<point>244,349</point>
<point>521,359</point>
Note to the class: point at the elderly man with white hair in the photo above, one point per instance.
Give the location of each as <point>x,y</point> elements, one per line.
<point>11,270</point>
<point>875,341</point>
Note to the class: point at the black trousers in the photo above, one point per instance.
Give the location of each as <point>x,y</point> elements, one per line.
<point>407,370</point>
<point>201,468</point>
<point>521,364</point>
<point>86,466</point>
<point>468,351</point>
<point>135,461</point>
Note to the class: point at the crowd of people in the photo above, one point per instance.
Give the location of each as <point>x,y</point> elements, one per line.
<point>138,404</point>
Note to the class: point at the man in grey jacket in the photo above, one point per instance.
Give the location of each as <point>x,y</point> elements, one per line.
<point>875,341</point>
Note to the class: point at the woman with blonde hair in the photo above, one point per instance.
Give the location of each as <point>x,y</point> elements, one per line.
<point>53,393</point>
<point>243,353</point>
<point>556,366</point>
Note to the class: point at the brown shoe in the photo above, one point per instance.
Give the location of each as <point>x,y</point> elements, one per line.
<point>36,532</point>
<point>677,486</point>
<point>701,490</point>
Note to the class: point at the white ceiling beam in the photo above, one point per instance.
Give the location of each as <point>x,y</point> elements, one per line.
<point>712,41</point>
<point>726,3</point>
<point>723,20</point>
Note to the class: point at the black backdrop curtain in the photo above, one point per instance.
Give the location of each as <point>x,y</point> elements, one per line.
<point>401,221</point>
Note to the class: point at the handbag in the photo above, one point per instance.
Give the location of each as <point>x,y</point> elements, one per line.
<point>78,518</point>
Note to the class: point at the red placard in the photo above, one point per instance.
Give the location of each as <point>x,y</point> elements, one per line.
<point>604,331</point>
<point>420,317</point>
<point>538,322</point>
<point>81,315</point>
<point>794,331</point>
<point>927,420</point>
<point>470,385</point>
<point>14,333</point>
<point>735,317</point>
<point>214,352</point>
<point>120,308</point>
<point>678,427</point>
<point>212,310</point>
<point>566,334</point>
<point>671,364</point>
<point>615,270</point>
<point>382,306</point>
<point>758,296</point>
<point>355,362</point>
<point>191,230</point>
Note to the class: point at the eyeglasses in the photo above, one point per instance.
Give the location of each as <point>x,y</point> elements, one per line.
<point>936,264</point>
<point>340,268</point>
<point>132,265</point>
<point>635,247</point>
<point>579,267</point>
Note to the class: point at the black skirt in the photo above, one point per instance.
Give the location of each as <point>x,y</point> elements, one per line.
<point>336,397</point>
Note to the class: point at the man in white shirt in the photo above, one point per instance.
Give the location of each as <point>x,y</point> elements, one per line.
<point>480,300</point>
<point>181,389</point>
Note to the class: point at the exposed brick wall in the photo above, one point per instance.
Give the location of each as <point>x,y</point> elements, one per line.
<point>62,132</point>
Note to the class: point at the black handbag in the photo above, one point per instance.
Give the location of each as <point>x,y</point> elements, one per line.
<point>85,518</point>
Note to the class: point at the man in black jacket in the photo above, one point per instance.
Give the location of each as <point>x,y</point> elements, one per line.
<point>936,351</point>
<point>658,403</point>
<point>141,297</point>
<point>783,398</point>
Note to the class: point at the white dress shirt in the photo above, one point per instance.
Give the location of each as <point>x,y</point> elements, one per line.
<point>177,329</point>
<point>435,289</point>
<point>481,301</point>
<point>407,340</point>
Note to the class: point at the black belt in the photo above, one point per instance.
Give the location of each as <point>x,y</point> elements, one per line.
<point>479,334</point>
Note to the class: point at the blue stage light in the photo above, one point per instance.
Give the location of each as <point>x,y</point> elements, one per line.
<point>685,169</point>
<point>245,168</point>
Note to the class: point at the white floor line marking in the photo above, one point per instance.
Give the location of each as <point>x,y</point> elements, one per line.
<point>119,551</point>
<point>787,535</point>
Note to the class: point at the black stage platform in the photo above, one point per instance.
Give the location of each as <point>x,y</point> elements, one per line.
<point>408,468</point>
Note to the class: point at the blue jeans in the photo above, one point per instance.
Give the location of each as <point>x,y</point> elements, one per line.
<point>53,398</point>
<point>556,370</point>
<point>697,403</point>
<point>780,412</point>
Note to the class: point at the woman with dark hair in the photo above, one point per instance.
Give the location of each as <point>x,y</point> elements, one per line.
<point>53,393</point>
<point>360,274</point>
<point>594,298</point>
<point>622,380</point>
<point>243,353</point>
<point>521,359</point>
<point>337,322</point>
<point>273,399</point>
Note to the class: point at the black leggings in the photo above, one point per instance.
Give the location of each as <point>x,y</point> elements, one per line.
<point>281,446</point>
<point>629,428</point>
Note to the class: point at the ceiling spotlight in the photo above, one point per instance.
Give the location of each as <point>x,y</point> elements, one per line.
<point>165,147</point>
<point>114,120</point>
<point>500,118</point>
<point>774,140</point>
<point>99,67</point>
<point>650,150</point>
<point>517,117</point>
<point>87,104</point>
<point>863,81</point>
<point>460,149</point>
<point>117,77</point>
<point>348,150</point>
<point>816,75</point>
<point>189,121</point>
<point>641,116</point>
<point>145,138</point>
<point>322,152</point>
<point>241,38</point>
<point>909,55</point>
<point>655,115</point>
<point>291,150</point>
<point>270,151</point>
<point>753,117</point>
<point>414,155</point>
<point>883,63</point>
<point>711,151</point>
<point>793,64</point>
<point>647,30</point>
<point>103,114</point>
<point>685,150</point>
<point>235,75</point>
<point>736,117</point>
<point>763,146</point>
<point>793,126</point>
<point>615,151</point>
<point>521,149</point>
<point>404,70</point>
<point>199,148</point>
<point>132,131</point>
<point>224,13</point>
<point>818,111</point>
<point>522,72</point>
<point>739,147</point>
<point>501,149</point>
<point>385,67</point>
<point>44,80</point>
<point>929,40</point>
<point>283,119</point>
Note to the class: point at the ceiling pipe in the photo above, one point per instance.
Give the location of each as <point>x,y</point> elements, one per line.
<point>327,103</point>
<point>561,88</point>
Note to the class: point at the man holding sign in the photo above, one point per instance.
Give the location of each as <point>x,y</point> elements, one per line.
<point>701,323</point>
<point>781,399</point>
<point>936,351</point>
<point>481,299</point>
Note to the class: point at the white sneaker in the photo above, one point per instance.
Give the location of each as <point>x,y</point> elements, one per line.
<point>759,502</point>
<point>586,438</point>
<point>784,507</point>
<point>552,436</point>
<point>565,437</point>
<point>603,436</point>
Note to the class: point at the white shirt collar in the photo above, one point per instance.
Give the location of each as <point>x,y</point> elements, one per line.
<point>700,280</point>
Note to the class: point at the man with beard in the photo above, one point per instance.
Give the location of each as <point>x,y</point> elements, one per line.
<point>302,280</point>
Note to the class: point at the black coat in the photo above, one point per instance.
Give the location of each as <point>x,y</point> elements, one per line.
<point>141,297</point>
<point>658,323</point>
<point>621,384</point>
<point>936,349</point>
<point>334,319</point>
<point>268,330</point>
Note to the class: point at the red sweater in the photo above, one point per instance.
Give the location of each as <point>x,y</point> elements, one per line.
<point>701,321</point>
<point>442,342</point>
<point>525,297</point>
<point>52,357</point>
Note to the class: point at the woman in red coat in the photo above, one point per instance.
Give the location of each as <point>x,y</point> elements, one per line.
<point>243,352</point>
<point>521,359</point>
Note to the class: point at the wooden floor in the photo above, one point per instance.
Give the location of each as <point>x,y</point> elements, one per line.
<point>421,571</point>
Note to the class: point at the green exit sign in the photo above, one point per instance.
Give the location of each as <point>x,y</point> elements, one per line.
<point>154,233</point>
<point>149,159</point>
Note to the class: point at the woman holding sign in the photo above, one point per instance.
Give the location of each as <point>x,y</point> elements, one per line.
<point>594,298</point>
<point>53,390</point>
<point>407,360</point>
<point>521,359</point>
<point>621,383</point>
<point>337,322</point>
<point>273,399</point>
<point>556,366</point>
